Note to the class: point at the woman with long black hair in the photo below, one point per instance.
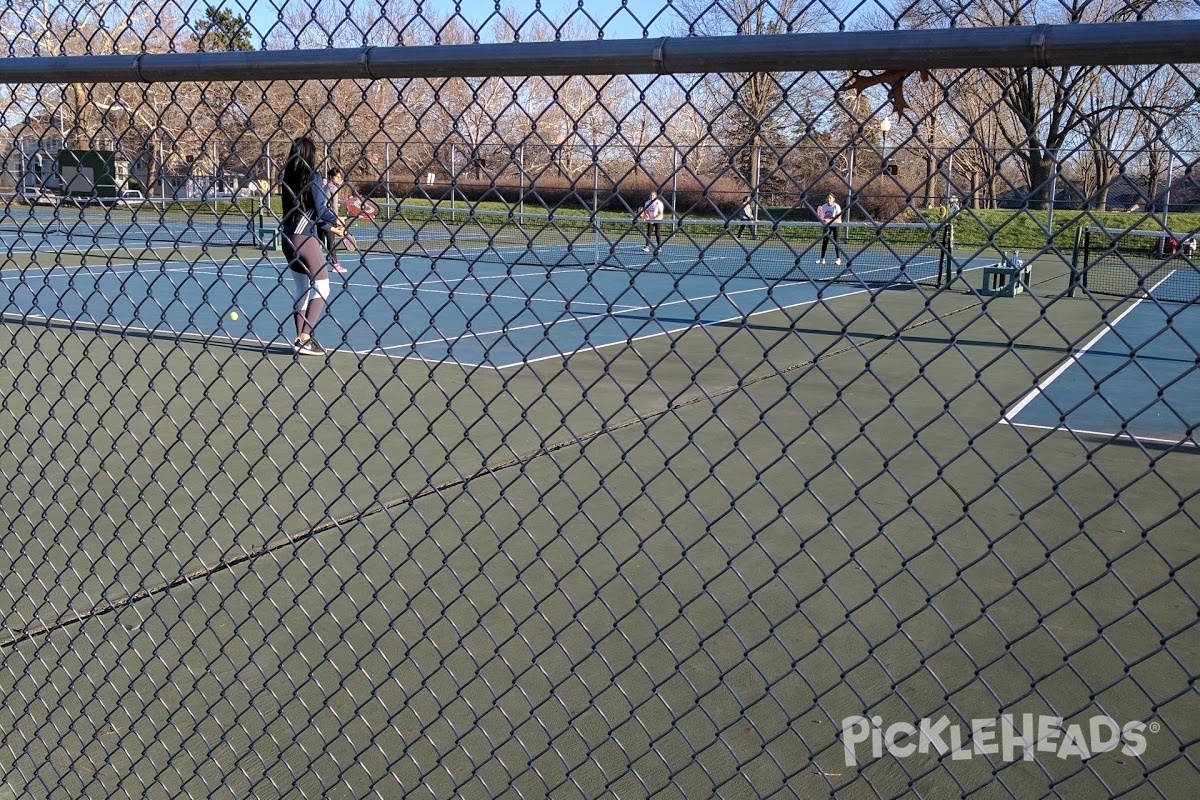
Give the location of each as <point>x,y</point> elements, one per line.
<point>306,216</point>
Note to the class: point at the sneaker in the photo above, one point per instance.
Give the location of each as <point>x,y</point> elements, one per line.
<point>837,262</point>
<point>308,348</point>
<point>646,249</point>
<point>820,261</point>
<point>338,268</point>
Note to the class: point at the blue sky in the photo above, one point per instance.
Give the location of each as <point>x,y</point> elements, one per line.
<point>620,20</point>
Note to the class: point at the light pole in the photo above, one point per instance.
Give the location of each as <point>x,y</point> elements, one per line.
<point>850,181</point>
<point>885,125</point>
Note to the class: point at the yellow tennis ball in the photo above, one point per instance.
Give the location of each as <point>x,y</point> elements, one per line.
<point>233,315</point>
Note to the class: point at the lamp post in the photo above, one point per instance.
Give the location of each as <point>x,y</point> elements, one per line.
<point>850,182</point>
<point>885,125</point>
<point>521,174</point>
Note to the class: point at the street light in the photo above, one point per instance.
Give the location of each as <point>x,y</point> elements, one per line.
<point>885,125</point>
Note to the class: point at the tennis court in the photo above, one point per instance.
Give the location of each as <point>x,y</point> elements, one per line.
<point>429,521</point>
<point>1137,378</point>
<point>458,293</point>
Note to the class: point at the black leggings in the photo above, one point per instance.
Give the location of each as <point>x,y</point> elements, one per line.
<point>830,233</point>
<point>331,245</point>
<point>655,226</point>
<point>304,256</point>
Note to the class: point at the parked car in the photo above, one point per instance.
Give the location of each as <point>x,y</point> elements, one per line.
<point>127,197</point>
<point>37,196</point>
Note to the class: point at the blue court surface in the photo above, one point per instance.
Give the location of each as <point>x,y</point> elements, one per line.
<point>1137,379</point>
<point>485,313</point>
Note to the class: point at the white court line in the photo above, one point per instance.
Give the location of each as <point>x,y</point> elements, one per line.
<point>1104,434</point>
<point>201,338</point>
<point>1109,327</point>
<point>431,275</point>
<point>116,327</point>
<point>519,298</point>
<point>60,271</point>
<point>383,352</point>
<point>821,298</point>
<point>690,301</point>
<point>669,332</point>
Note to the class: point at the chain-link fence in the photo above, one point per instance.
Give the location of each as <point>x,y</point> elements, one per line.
<point>732,399</point>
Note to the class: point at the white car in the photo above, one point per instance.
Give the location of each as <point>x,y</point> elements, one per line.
<point>35,196</point>
<point>131,197</point>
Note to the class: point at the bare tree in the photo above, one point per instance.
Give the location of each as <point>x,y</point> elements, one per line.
<point>30,28</point>
<point>1041,108</point>
<point>755,112</point>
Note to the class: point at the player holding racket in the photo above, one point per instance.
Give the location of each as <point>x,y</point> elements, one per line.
<point>830,215</point>
<point>334,182</point>
<point>652,214</point>
<point>306,215</point>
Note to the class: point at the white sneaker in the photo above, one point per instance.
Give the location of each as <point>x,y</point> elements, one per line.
<point>308,347</point>
<point>646,249</point>
<point>820,261</point>
<point>837,262</point>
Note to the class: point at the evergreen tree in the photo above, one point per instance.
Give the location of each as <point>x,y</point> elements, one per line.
<point>222,30</point>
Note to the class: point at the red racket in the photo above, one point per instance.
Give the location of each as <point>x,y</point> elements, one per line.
<point>360,207</point>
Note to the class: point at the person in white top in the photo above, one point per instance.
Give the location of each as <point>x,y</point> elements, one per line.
<point>830,215</point>
<point>652,214</point>
<point>333,187</point>
<point>747,218</point>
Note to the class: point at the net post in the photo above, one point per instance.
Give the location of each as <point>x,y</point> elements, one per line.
<point>1087,243</point>
<point>261,226</point>
<point>946,254</point>
<point>1074,282</point>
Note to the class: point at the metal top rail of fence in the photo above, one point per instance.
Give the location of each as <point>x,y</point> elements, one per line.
<point>506,488</point>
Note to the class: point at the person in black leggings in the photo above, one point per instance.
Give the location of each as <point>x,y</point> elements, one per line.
<point>830,216</point>
<point>334,182</point>
<point>306,215</point>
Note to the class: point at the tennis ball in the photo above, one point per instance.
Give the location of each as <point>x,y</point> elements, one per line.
<point>233,315</point>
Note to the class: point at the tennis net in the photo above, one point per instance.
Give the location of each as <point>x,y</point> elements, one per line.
<point>144,222</point>
<point>857,252</point>
<point>1141,262</point>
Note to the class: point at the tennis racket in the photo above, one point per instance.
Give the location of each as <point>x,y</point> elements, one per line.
<point>361,207</point>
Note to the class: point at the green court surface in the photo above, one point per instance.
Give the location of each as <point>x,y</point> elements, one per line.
<point>666,569</point>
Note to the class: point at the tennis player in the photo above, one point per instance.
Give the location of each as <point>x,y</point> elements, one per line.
<point>830,215</point>
<point>306,215</point>
<point>652,215</point>
<point>334,181</point>
<point>747,218</point>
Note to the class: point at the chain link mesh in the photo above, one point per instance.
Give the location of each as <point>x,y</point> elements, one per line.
<point>737,503</point>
